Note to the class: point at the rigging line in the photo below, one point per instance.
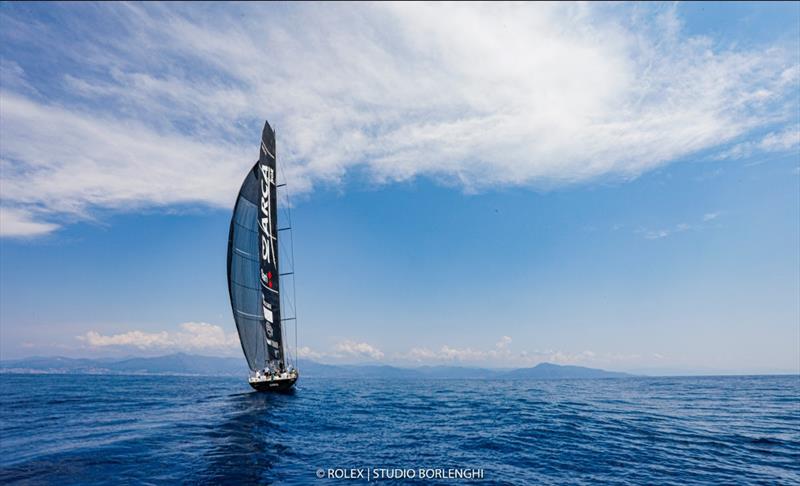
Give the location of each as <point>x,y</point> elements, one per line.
<point>286,251</point>
<point>294,279</point>
<point>286,215</point>
<point>285,254</point>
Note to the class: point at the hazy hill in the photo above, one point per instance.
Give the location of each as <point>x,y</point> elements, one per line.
<point>187,364</point>
<point>183,364</point>
<point>179,363</point>
<point>549,371</point>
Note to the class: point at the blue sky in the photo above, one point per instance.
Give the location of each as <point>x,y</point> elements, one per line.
<point>614,186</point>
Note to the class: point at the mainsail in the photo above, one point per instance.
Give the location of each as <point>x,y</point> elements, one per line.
<point>253,276</point>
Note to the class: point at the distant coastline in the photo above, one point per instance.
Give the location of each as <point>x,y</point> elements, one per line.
<point>194,365</point>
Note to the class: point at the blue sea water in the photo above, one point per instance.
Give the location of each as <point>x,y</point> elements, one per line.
<point>91,429</point>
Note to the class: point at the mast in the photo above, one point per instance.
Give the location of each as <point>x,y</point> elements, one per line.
<point>268,244</point>
<point>253,275</point>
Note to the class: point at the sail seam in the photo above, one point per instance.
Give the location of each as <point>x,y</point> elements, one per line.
<point>244,286</point>
<point>244,254</point>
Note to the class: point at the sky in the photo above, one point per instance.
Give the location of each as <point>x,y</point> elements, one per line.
<point>499,185</point>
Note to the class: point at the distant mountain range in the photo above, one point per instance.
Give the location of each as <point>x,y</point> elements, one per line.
<point>186,364</point>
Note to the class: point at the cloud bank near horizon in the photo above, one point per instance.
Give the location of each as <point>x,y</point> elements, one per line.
<point>210,338</point>
<point>165,110</point>
<point>193,336</point>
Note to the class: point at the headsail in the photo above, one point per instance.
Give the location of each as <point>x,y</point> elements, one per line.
<point>253,275</point>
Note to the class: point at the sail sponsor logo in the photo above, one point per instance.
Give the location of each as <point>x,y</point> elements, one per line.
<point>267,308</point>
<point>266,277</point>
<point>269,318</point>
<point>267,238</point>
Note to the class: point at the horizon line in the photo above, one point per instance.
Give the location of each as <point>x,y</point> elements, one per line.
<point>634,372</point>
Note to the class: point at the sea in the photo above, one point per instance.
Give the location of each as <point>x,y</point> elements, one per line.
<point>113,429</point>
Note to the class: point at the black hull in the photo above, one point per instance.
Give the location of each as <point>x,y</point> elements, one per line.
<point>280,386</point>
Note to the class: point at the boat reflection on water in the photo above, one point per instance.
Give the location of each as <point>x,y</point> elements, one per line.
<point>247,445</point>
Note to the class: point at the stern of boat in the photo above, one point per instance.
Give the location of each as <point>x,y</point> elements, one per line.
<point>282,382</point>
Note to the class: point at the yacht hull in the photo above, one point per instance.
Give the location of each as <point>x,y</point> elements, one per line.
<point>276,385</point>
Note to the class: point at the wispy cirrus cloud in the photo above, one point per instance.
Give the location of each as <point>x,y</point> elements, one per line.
<point>110,163</point>
<point>22,223</point>
<point>165,111</point>
<point>659,233</point>
<point>785,140</point>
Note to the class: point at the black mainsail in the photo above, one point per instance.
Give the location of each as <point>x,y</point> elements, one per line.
<point>253,274</point>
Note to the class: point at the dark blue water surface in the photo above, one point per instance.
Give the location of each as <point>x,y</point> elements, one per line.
<point>86,429</point>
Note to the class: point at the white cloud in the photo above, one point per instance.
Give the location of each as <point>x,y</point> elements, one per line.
<point>306,352</point>
<point>788,139</point>
<point>68,162</point>
<point>500,355</point>
<point>448,353</point>
<point>201,335</point>
<point>561,357</point>
<point>501,352</point>
<point>22,223</point>
<point>168,110</point>
<point>785,140</point>
<point>348,349</point>
<point>138,339</point>
<point>710,216</point>
<point>503,342</point>
<point>583,358</point>
<point>503,355</point>
<point>192,337</point>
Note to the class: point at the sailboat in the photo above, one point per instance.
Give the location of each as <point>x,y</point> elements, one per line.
<point>254,279</point>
